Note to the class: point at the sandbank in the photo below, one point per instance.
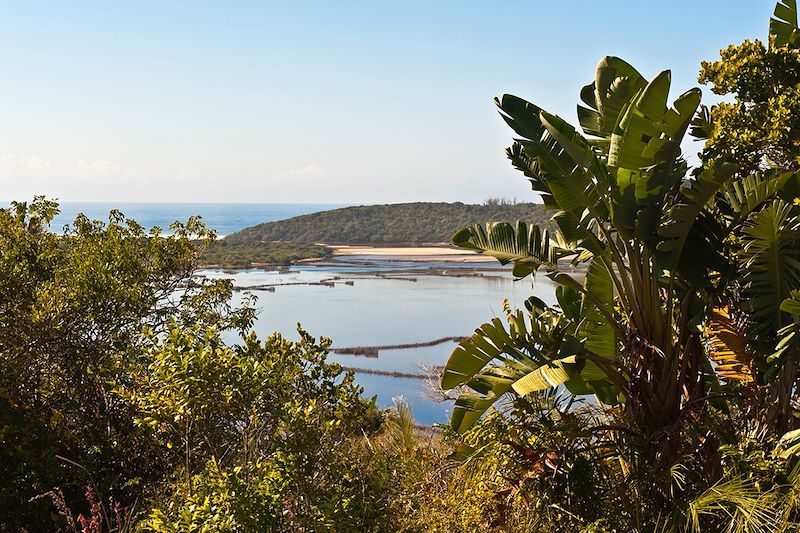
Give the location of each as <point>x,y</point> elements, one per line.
<point>418,253</point>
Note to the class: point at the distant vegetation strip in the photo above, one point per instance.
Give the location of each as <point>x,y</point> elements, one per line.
<point>372,351</point>
<point>227,254</point>
<point>409,223</point>
<point>387,373</point>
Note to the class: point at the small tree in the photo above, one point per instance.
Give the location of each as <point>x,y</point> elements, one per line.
<point>72,307</point>
<point>263,432</point>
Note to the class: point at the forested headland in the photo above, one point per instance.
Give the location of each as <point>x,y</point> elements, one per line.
<point>407,223</point>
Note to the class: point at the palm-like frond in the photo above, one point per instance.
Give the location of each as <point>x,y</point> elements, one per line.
<point>537,351</point>
<point>527,246</point>
<point>556,170</point>
<point>493,358</point>
<point>682,216</point>
<point>472,354</point>
<point>771,260</point>
<point>745,195</point>
<point>735,505</point>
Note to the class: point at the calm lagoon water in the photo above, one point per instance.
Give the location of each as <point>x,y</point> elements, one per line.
<point>384,307</point>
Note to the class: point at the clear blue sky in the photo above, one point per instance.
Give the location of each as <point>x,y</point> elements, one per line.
<point>300,101</point>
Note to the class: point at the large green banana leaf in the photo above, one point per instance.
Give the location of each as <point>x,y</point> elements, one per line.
<point>475,352</point>
<point>549,375</point>
<point>749,193</point>
<point>771,260</point>
<point>536,352</point>
<point>644,148</point>
<point>599,334</point>
<point>783,24</point>
<point>555,170</point>
<point>616,83</point>
<point>493,358</point>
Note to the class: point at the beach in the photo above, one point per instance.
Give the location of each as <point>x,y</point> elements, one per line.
<point>432,253</point>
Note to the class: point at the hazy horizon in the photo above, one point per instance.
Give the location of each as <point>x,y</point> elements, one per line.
<point>313,102</point>
<point>532,200</point>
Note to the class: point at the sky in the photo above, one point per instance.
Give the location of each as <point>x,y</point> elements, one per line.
<point>304,101</point>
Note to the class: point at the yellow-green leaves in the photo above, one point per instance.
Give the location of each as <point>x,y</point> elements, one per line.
<point>549,375</point>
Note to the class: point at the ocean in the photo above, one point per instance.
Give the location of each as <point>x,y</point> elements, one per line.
<point>224,218</point>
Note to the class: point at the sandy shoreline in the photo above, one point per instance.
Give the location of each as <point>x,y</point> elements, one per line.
<point>417,253</point>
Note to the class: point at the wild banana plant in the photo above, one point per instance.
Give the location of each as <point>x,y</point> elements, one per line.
<point>620,209</point>
<point>687,317</point>
<point>660,245</point>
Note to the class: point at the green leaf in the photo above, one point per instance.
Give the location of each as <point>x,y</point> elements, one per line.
<point>644,149</point>
<point>749,193</point>
<point>527,246</point>
<point>469,407</point>
<point>616,82</point>
<point>595,329</point>
<point>555,169</point>
<point>683,215</point>
<point>771,259</point>
<point>546,376</point>
<point>783,24</point>
<point>475,352</point>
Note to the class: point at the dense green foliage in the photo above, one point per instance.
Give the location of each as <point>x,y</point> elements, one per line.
<point>134,397</point>
<point>260,429</point>
<point>71,308</point>
<point>241,254</point>
<point>114,376</point>
<point>684,326</point>
<point>412,223</point>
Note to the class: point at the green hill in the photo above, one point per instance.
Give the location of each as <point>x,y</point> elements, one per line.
<point>409,223</point>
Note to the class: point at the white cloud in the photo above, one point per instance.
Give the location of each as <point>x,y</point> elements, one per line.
<point>308,170</point>
<point>23,162</point>
<point>97,167</point>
